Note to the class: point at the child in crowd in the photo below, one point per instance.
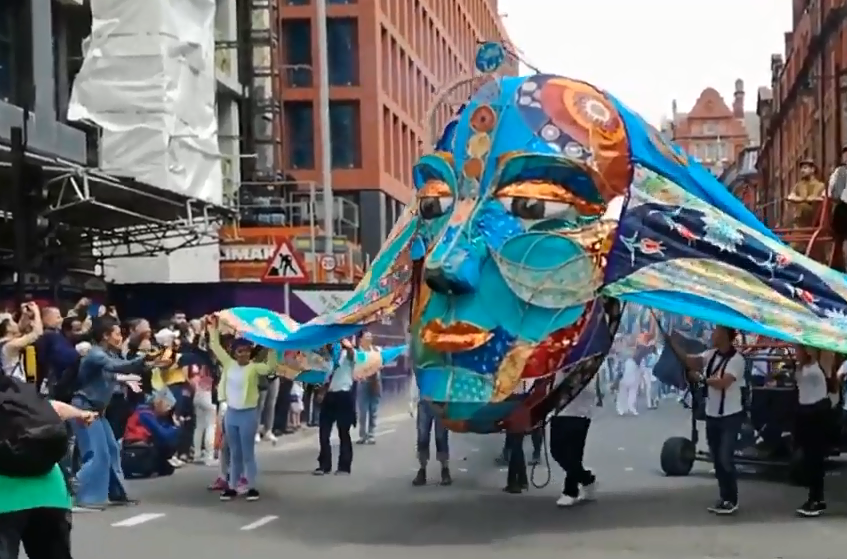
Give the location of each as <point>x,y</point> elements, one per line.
<point>296,410</point>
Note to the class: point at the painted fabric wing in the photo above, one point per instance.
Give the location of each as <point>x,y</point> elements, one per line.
<point>676,252</point>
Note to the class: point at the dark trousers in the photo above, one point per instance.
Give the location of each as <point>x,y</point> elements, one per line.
<point>567,447</point>
<point>536,436</point>
<point>811,434</point>
<point>45,534</point>
<point>338,408</point>
<point>516,475</point>
<point>117,414</point>
<point>283,405</point>
<point>722,435</point>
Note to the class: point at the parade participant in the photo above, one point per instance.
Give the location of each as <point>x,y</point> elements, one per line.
<point>425,420</point>
<point>811,432</point>
<point>568,433</point>
<point>516,478</point>
<point>368,395</point>
<point>100,478</point>
<point>722,370</point>
<point>338,407</point>
<point>629,383</point>
<point>14,337</point>
<point>239,388</point>
<point>650,383</point>
<point>151,438</point>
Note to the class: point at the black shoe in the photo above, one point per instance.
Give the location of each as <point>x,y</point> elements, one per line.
<point>724,508</point>
<point>342,473</point>
<point>228,494</point>
<point>513,489</point>
<point>811,509</point>
<point>446,478</point>
<point>420,478</point>
<point>319,472</point>
<point>252,495</point>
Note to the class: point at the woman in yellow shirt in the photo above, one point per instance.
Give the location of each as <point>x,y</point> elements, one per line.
<point>239,390</point>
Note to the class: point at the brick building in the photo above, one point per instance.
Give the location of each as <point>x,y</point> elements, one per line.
<point>713,132</point>
<point>798,113</point>
<point>386,61</point>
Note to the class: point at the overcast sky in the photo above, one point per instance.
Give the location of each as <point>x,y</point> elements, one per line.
<point>650,52</point>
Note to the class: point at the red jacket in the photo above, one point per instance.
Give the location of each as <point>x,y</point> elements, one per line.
<point>135,431</point>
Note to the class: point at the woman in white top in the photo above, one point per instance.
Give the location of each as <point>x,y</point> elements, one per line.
<point>13,341</point>
<point>812,427</point>
<point>628,385</point>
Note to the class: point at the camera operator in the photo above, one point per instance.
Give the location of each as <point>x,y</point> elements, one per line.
<point>813,425</point>
<point>16,336</point>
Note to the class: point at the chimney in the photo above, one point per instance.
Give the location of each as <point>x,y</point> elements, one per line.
<point>738,100</point>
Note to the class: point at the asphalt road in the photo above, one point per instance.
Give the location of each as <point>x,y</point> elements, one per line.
<point>376,513</point>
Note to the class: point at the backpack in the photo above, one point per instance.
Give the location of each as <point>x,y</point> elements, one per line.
<point>33,438</point>
<point>66,384</point>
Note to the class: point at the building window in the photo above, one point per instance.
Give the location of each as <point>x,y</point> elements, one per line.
<point>300,128</point>
<point>342,35</point>
<point>297,52</point>
<point>295,2</point>
<point>345,129</point>
<point>7,58</point>
<point>341,1</point>
<point>709,129</point>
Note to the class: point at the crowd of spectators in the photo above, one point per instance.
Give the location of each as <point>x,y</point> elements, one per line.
<point>155,391</point>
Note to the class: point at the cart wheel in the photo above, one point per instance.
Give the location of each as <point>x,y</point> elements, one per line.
<point>796,472</point>
<point>677,456</point>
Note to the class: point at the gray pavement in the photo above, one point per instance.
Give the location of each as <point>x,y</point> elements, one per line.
<point>376,513</point>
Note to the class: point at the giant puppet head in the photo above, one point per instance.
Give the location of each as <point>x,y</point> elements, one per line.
<point>544,204</point>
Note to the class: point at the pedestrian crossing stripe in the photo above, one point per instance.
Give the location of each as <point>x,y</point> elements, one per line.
<point>285,266</point>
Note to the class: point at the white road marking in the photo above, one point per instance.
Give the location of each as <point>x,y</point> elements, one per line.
<point>259,523</point>
<point>463,470</point>
<point>138,519</point>
<point>621,448</point>
<point>628,469</point>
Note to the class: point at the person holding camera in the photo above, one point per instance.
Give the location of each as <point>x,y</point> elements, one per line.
<point>721,369</point>
<point>16,336</point>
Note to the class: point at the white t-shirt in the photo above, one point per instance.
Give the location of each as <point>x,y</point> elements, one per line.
<point>583,404</point>
<point>811,384</point>
<point>732,398</point>
<point>297,392</point>
<point>631,373</point>
<point>236,386</point>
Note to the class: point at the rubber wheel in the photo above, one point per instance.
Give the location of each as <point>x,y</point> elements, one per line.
<point>677,456</point>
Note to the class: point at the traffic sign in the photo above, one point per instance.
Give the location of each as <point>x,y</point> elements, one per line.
<point>328,262</point>
<point>285,266</point>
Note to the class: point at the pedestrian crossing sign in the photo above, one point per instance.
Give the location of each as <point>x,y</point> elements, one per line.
<point>285,266</point>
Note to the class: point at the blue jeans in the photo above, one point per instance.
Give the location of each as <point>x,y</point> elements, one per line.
<point>722,435</point>
<point>240,428</point>
<point>367,406</point>
<point>100,477</point>
<point>425,421</point>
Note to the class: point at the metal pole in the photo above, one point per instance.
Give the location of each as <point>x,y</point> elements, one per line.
<point>21,216</point>
<point>312,235</point>
<point>323,117</point>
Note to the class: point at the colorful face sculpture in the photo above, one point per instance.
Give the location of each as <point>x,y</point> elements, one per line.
<point>546,203</point>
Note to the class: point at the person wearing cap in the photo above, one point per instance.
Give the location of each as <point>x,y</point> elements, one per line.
<point>239,390</point>
<point>150,438</point>
<point>722,370</point>
<point>806,195</point>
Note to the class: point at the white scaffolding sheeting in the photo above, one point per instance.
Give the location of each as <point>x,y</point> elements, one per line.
<point>148,81</point>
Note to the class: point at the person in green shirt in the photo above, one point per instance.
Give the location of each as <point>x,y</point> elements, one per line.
<point>36,511</point>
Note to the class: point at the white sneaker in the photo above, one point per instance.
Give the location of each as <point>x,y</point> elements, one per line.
<point>271,437</point>
<point>588,492</point>
<point>258,438</point>
<point>566,501</point>
<point>176,462</point>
